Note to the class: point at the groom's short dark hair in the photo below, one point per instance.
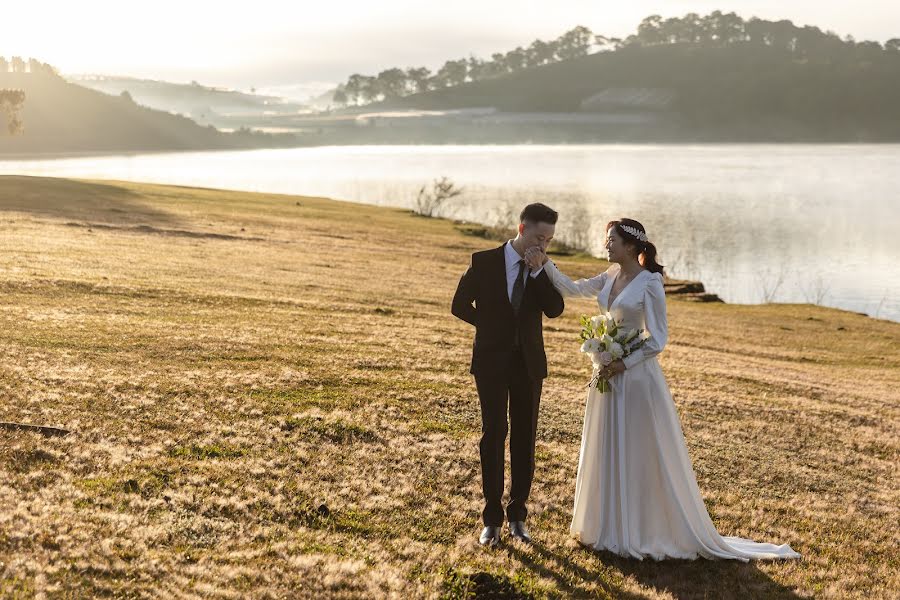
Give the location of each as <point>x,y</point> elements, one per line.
<point>538,213</point>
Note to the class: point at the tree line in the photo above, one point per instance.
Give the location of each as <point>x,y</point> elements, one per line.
<point>720,29</point>
<point>17,64</point>
<point>714,29</point>
<point>12,100</point>
<point>391,83</point>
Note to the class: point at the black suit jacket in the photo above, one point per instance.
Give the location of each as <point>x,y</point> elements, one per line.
<point>484,283</point>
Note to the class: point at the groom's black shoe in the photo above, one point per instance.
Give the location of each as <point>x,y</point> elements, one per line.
<point>518,531</point>
<point>490,536</point>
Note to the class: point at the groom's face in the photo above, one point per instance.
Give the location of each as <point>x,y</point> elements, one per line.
<point>536,233</point>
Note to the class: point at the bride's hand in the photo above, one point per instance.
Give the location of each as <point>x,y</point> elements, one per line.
<point>616,367</point>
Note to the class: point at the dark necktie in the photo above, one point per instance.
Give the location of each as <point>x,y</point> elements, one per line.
<point>518,291</point>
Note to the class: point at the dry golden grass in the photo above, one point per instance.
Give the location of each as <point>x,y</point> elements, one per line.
<point>269,398</point>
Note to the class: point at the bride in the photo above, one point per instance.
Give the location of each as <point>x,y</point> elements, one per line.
<point>635,493</point>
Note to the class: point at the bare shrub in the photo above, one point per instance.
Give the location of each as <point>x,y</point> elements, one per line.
<point>430,201</point>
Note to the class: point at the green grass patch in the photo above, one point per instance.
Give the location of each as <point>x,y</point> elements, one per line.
<point>206,451</point>
<point>336,431</point>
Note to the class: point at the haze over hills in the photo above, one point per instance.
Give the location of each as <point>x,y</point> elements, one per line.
<point>62,117</point>
<point>713,78</point>
<point>220,107</point>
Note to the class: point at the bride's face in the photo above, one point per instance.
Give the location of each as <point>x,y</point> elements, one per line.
<point>616,249</point>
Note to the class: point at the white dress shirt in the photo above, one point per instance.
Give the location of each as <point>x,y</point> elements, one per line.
<point>512,268</point>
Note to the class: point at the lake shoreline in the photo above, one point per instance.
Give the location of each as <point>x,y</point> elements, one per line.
<point>52,155</point>
<point>744,220</point>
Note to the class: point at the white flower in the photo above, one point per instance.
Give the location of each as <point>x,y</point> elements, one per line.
<point>616,350</point>
<point>606,358</point>
<point>598,322</point>
<point>591,345</point>
<point>607,341</point>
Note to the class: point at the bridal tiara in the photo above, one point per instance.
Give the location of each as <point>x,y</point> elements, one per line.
<point>635,232</point>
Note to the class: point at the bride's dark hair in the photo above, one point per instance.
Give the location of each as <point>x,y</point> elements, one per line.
<point>645,249</point>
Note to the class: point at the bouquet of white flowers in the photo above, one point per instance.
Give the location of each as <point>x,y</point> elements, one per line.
<point>605,341</point>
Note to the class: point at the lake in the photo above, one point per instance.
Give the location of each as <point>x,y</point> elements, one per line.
<point>754,223</point>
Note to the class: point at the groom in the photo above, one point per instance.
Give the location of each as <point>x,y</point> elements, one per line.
<point>508,361</point>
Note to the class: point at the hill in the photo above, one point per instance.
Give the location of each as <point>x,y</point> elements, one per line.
<point>268,397</point>
<point>690,92</point>
<point>62,117</point>
<point>222,108</point>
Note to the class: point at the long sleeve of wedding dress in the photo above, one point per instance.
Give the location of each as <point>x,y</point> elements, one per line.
<point>582,288</point>
<point>655,320</point>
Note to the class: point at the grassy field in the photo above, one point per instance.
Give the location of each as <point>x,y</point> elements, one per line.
<point>268,397</point>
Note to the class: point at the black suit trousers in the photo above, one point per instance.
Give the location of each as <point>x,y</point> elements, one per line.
<point>514,389</point>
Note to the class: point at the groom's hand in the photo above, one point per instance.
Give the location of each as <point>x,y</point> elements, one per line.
<point>535,258</point>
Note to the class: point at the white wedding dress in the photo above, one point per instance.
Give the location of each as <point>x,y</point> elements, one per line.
<point>635,493</point>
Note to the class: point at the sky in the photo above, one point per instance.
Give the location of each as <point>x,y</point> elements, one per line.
<point>299,47</point>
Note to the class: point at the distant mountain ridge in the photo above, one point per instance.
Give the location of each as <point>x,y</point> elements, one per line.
<point>220,107</point>
<point>739,93</point>
<point>692,79</point>
<point>62,117</point>
<point>716,77</point>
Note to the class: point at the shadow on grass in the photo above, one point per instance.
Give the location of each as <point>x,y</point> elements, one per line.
<point>71,199</point>
<point>464,586</point>
<point>565,573</point>
<point>682,579</point>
